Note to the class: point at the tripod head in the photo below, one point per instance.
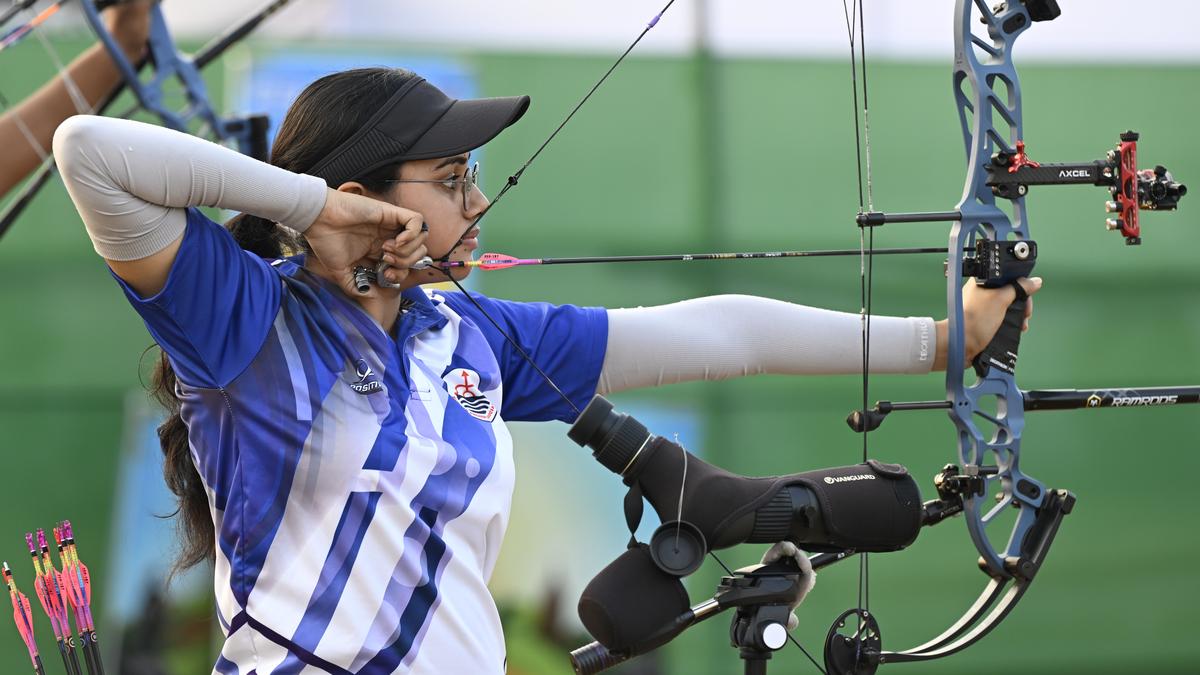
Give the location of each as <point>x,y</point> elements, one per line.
<point>762,596</point>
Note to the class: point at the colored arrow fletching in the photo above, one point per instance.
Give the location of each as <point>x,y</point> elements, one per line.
<point>85,580</point>
<point>22,615</point>
<point>499,261</point>
<point>495,261</point>
<point>42,589</point>
<point>81,579</point>
<point>55,586</point>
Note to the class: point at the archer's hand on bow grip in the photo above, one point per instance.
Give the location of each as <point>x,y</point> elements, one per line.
<point>982,316</point>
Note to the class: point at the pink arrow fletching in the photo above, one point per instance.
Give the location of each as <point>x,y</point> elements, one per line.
<point>39,587</point>
<point>86,591</point>
<point>58,596</point>
<point>499,261</point>
<point>23,617</point>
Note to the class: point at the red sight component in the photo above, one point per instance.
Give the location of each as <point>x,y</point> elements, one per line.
<point>1021,159</point>
<point>1126,189</point>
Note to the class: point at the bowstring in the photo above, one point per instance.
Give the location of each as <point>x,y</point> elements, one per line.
<point>81,105</point>
<point>33,25</point>
<point>855,28</point>
<point>516,176</point>
<point>512,182</point>
<point>26,132</point>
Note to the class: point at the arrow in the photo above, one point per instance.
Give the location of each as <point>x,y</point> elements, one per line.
<point>49,592</point>
<point>23,616</point>
<point>12,36</point>
<point>79,592</point>
<point>500,261</point>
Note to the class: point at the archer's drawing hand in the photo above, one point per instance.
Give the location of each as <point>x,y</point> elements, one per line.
<point>786,549</point>
<point>129,24</point>
<point>355,230</point>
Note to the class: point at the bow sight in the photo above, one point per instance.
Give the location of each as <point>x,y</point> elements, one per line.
<point>1011,172</point>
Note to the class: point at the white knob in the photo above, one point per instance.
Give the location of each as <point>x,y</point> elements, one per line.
<point>774,636</point>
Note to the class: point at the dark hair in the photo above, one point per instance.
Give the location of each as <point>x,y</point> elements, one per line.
<point>324,115</point>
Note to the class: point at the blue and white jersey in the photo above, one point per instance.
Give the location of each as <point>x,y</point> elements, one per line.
<point>360,481</point>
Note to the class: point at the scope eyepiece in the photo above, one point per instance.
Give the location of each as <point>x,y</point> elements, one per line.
<point>614,438</point>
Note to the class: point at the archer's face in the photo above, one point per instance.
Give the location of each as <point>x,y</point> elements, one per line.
<point>441,204</point>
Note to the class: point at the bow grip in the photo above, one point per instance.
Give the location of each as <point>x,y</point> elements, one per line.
<point>1001,352</point>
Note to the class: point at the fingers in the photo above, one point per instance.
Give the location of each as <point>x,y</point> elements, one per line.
<point>781,550</point>
<point>1031,285</point>
<point>406,250</point>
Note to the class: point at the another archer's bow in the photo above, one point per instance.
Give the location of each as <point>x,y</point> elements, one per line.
<point>168,64</point>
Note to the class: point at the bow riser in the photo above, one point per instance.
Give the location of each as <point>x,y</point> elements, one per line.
<point>987,89</point>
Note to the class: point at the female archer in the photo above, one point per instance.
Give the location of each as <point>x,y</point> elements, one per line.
<point>339,446</point>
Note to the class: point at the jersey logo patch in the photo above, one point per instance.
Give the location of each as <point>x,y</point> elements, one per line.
<point>366,382</point>
<point>463,385</point>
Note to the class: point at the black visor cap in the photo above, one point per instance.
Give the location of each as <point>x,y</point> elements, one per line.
<point>419,122</point>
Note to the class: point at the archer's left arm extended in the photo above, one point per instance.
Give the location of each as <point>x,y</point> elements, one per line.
<point>726,336</point>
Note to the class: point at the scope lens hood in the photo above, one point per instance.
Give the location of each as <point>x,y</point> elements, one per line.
<point>614,438</point>
<point>595,417</point>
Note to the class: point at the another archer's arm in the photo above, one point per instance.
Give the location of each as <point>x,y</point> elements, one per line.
<point>27,129</point>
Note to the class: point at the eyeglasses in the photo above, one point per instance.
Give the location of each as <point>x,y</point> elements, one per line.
<point>466,184</point>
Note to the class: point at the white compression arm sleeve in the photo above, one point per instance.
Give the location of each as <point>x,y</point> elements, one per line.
<point>131,182</point>
<point>726,336</point>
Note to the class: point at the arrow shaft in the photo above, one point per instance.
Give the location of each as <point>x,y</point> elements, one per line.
<point>690,257</point>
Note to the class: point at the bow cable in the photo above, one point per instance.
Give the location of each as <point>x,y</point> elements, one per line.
<point>72,88</point>
<point>509,184</point>
<point>516,176</point>
<point>512,181</point>
<point>855,23</point>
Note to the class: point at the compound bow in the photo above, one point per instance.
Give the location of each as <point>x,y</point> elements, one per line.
<point>993,249</point>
